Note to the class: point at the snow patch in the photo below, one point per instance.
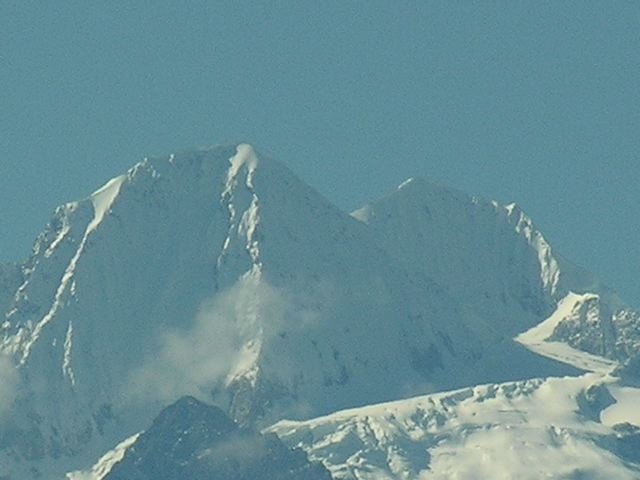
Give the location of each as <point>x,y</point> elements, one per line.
<point>405,183</point>
<point>245,160</point>
<point>102,468</point>
<point>363,214</point>
<point>67,371</point>
<point>248,226</point>
<point>59,238</point>
<point>102,199</point>
<point>245,157</point>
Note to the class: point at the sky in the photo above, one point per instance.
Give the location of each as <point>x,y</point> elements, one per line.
<point>533,102</point>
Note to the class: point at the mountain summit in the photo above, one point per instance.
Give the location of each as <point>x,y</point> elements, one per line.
<point>219,274</point>
<point>192,440</point>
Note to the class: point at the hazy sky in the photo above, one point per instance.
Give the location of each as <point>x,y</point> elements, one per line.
<point>532,102</point>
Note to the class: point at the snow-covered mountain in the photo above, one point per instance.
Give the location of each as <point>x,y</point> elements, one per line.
<point>491,255</point>
<point>218,273</point>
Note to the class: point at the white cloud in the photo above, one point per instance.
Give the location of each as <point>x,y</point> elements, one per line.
<point>8,384</point>
<point>225,337</point>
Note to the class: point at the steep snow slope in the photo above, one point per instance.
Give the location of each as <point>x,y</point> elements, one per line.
<point>492,253</point>
<point>105,274</point>
<point>507,274</point>
<point>553,428</point>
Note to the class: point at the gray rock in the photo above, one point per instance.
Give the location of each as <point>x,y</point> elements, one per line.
<point>190,439</point>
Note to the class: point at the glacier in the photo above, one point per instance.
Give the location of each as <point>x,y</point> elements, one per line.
<point>537,428</point>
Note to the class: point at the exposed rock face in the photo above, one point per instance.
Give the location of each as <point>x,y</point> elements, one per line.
<point>195,441</point>
<point>600,325</point>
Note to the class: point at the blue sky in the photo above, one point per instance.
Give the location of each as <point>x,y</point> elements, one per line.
<point>533,102</point>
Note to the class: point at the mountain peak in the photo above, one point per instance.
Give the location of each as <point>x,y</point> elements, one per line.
<point>190,439</point>
<point>245,155</point>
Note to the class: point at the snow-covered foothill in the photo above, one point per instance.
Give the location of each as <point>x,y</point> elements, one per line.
<point>538,428</point>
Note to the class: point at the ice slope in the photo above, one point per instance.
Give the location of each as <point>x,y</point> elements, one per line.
<point>517,280</point>
<point>540,428</point>
<point>439,232</point>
